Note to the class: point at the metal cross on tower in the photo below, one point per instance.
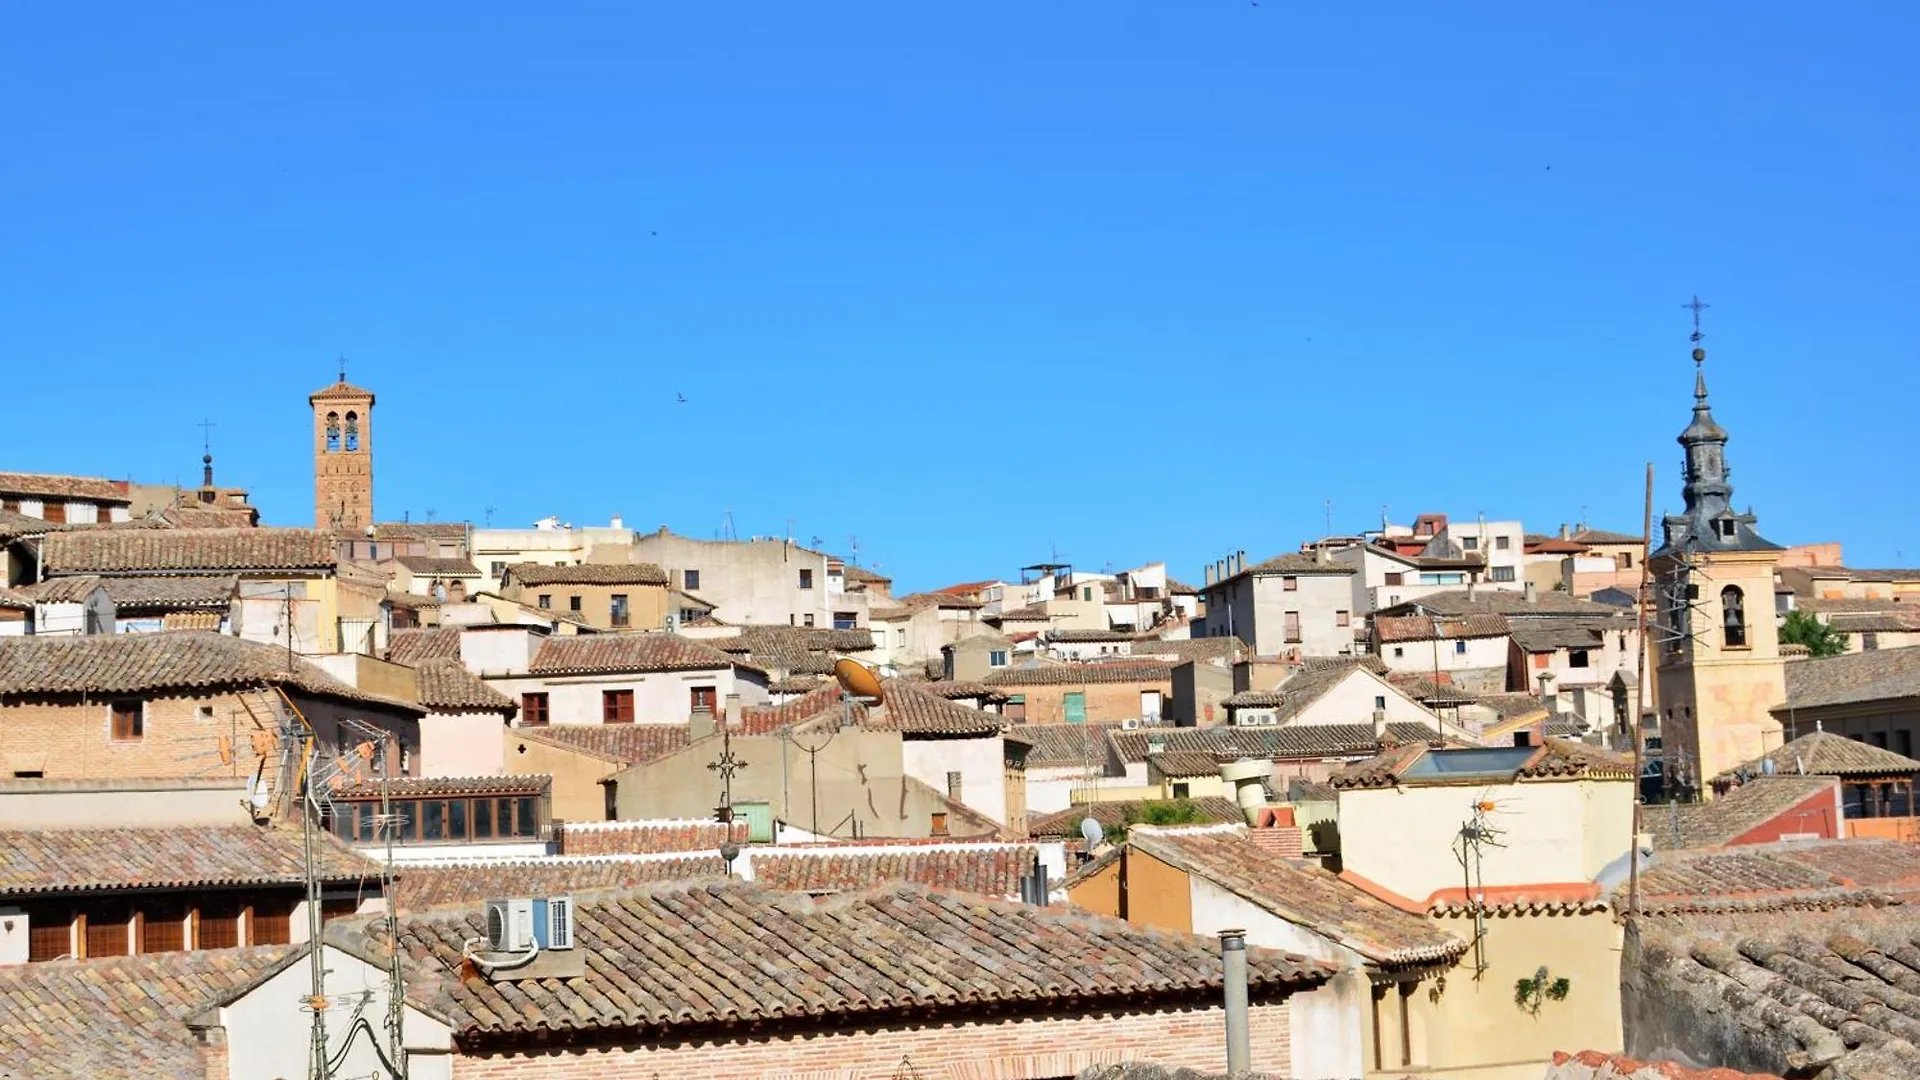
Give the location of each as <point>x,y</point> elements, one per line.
<point>206,435</point>
<point>726,765</point>
<point>1696,305</point>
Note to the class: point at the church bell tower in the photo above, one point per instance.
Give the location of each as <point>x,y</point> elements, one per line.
<point>342,457</point>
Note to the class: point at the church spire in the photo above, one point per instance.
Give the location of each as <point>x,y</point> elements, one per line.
<point>1709,521</point>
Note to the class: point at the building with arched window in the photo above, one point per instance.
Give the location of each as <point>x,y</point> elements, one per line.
<point>342,457</point>
<point>1715,638</point>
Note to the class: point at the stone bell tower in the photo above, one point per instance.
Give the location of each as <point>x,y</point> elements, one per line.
<point>342,456</point>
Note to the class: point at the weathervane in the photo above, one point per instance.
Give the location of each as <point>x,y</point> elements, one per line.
<point>206,435</point>
<point>726,765</point>
<point>343,369</point>
<point>1697,305</point>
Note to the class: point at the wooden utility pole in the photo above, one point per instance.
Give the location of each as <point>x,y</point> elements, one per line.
<point>1640,690</point>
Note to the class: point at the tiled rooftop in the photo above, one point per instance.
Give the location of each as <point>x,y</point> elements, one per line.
<point>173,857</point>
<point>432,566</point>
<point>1392,629</point>
<point>1787,875</point>
<point>1852,678</point>
<point>853,954</point>
<point>89,551</point>
<point>1065,824</point>
<point>117,1019</point>
<point>461,884</point>
<point>1301,893</point>
<point>447,686</point>
<point>533,574</point>
<point>1058,746</point>
<point>1291,564</point>
<point>145,663</point>
<point>629,652</point>
<point>620,744</point>
<point>649,837</point>
<point>1499,602</point>
<point>1181,765</point>
<point>987,869</point>
<point>1823,753</point>
<point>54,486</point>
<point>415,787</point>
<point>1739,811</point>
<point>415,647</point>
<point>1128,670</point>
<point>1554,759</point>
<point>1284,742</point>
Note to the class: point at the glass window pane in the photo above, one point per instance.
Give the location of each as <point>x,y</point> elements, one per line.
<point>483,819</point>
<point>457,819</point>
<point>433,820</point>
<point>527,821</point>
<point>367,831</point>
<point>503,818</point>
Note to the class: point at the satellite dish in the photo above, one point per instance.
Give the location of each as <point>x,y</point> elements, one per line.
<point>855,679</point>
<point>1091,832</point>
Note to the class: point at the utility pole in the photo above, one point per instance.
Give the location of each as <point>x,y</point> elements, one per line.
<point>1639,692</point>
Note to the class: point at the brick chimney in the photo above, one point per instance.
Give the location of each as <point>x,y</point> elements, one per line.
<point>1379,724</point>
<point>733,711</point>
<point>1277,832</point>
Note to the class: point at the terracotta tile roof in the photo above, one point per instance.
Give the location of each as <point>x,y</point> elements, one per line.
<point>1071,636</point>
<point>1130,670</point>
<point>1030,613</point>
<point>629,652</point>
<point>1781,876</point>
<point>15,600</point>
<point>1300,692</point>
<point>1607,1066</point>
<point>1904,619</point>
<point>916,601</point>
<point>1184,649</point>
<point>1603,536</point>
<point>416,787</point>
<point>953,690</point>
<point>208,517</point>
<point>1182,764</point>
<point>415,647</point>
<point>192,620</point>
<point>66,590</point>
<point>1065,824</point>
<point>143,663</point>
<point>1346,663</point>
<point>1853,678</point>
<point>407,601</point>
<point>342,390</point>
<point>1508,706</point>
<point>1850,605</point>
<point>1739,811</point>
<point>175,857</point>
<point>173,593</point>
<point>432,566</point>
<point>1823,753</point>
<point>1303,894</point>
<point>1057,746</point>
<point>1389,629</point>
<point>909,709</point>
<point>798,650</point>
<point>185,550</point>
<point>620,744</point>
<point>1554,759</point>
<point>426,530</point>
<point>587,574</point>
<point>1292,564</point>
<point>50,485</point>
<point>1498,602</point>
<point>1537,635</point>
<point>118,1019</point>
<point>422,888</point>
<point>987,869</point>
<point>447,686</point>
<point>865,576</point>
<point>1285,742</point>
<point>649,837</point>
<point>1429,693</point>
<point>847,956</point>
<point>763,719</point>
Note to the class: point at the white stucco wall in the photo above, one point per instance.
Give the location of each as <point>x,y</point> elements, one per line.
<point>663,697</point>
<point>1422,657</point>
<point>1050,789</point>
<point>1327,1032</point>
<point>1551,832</point>
<point>462,744</point>
<point>499,650</point>
<point>980,762</point>
<point>1316,598</point>
<point>268,1030</point>
<point>1353,699</point>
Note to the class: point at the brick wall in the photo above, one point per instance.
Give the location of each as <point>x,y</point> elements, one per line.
<point>73,740</point>
<point>1038,1048</point>
<point>1105,701</point>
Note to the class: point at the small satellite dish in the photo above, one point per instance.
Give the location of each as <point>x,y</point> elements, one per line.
<point>257,794</point>
<point>1091,831</point>
<point>856,679</point>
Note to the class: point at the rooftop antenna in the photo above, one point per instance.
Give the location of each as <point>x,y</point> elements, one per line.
<point>489,514</point>
<point>343,369</point>
<point>1329,517</point>
<point>431,513</point>
<point>726,528</point>
<point>1476,834</point>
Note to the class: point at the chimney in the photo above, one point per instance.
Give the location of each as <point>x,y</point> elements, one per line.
<point>1532,592</point>
<point>953,785</point>
<point>1470,582</point>
<point>1246,781</point>
<point>616,523</point>
<point>937,823</point>
<point>700,725</point>
<point>1564,534</point>
<point>733,711</point>
<point>1239,561</point>
<point>1279,833</point>
<point>1379,724</point>
<point>1233,960</point>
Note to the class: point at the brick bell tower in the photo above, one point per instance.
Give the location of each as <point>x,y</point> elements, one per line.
<point>342,456</point>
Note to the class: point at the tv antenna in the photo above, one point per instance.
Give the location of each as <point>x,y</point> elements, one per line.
<point>1476,834</point>
<point>489,516</point>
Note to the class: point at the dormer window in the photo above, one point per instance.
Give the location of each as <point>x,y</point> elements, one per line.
<point>1725,527</point>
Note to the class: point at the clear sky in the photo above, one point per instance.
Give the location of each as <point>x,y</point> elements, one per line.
<point>974,282</point>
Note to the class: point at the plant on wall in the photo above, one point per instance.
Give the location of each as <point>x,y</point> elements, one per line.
<point>1530,994</point>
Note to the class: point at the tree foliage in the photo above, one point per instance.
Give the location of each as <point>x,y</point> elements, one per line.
<point>1805,628</point>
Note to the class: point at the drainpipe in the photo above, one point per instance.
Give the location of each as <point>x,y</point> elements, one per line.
<point>1233,957</point>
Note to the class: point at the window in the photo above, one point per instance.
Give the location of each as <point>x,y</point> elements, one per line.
<point>1459,648</point>
<point>1540,659</point>
<point>1292,621</point>
<point>333,433</point>
<point>573,604</point>
<point>1289,584</point>
<point>373,552</point>
<point>353,432</point>
<point>1017,708</point>
<point>846,620</point>
<point>545,601</point>
<point>433,820</point>
<point>108,932</point>
<point>163,928</point>
<point>1869,641</point>
<point>49,934</point>
<point>497,568</point>
<point>1397,579</point>
<point>204,713</point>
<point>1725,527</point>
<point>705,697</point>
<point>1086,592</point>
<point>1180,790</point>
<point>616,706</point>
<point>1074,704</point>
<point>1342,618</point>
<point>483,819</point>
<point>690,579</point>
<point>533,710</point>
<point>1399,651</point>
<point>619,609</point>
<point>271,928</point>
<point>899,639</point>
<point>457,819</point>
<point>128,723</point>
<point>1503,543</point>
<point>807,620</point>
<point>1626,560</point>
<point>526,818</point>
<point>1380,701</point>
<point>806,579</point>
<point>997,658</point>
<point>1470,543</point>
<point>1733,618</point>
<point>1577,658</point>
<point>1502,573</point>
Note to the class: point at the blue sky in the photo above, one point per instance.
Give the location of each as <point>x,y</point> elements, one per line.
<point>973,282</point>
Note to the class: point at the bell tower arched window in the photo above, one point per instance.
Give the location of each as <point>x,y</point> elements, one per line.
<point>1733,618</point>
<point>353,431</point>
<point>333,433</point>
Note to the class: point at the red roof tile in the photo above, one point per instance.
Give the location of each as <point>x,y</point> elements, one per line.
<point>648,837</point>
<point>175,857</point>
<point>628,652</point>
<point>988,869</point>
<point>89,551</point>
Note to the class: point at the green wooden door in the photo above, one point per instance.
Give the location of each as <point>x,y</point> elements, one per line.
<point>1076,703</point>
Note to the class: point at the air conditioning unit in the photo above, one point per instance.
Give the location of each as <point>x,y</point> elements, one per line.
<point>1129,724</point>
<point>553,922</point>
<point>509,925</point>
<point>1268,720</point>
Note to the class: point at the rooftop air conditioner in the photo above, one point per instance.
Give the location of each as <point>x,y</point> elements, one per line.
<point>509,925</point>
<point>553,922</point>
<point>1129,724</point>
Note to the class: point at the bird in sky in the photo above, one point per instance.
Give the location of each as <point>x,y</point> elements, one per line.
<point>682,397</point>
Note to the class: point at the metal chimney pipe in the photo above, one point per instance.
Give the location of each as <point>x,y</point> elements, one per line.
<point>1233,958</point>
